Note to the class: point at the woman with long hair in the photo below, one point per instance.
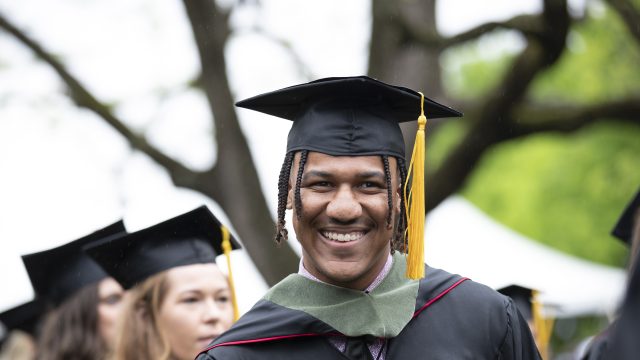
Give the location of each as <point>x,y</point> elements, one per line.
<point>84,301</point>
<point>179,299</point>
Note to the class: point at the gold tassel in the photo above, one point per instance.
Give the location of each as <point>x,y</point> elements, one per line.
<point>226,248</point>
<point>415,202</point>
<point>542,326</point>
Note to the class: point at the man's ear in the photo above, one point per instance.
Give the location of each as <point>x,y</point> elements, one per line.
<point>294,170</point>
<point>399,194</point>
<point>290,196</point>
<point>398,199</point>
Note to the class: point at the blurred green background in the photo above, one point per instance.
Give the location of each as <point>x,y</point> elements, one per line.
<point>564,190</point>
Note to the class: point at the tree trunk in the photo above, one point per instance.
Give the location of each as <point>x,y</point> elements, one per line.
<point>234,183</point>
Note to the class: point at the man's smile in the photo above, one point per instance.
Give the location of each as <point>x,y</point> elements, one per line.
<point>343,236</point>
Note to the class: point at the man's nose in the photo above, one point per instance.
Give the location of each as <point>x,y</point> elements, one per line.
<point>344,207</point>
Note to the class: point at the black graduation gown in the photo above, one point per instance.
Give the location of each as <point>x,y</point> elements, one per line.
<point>598,346</point>
<point>454,318</point>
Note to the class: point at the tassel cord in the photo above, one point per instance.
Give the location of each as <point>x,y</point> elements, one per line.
<point>415,201</point>
<point>226,248</point>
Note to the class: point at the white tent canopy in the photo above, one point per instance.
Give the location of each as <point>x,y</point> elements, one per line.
<point>462,239</point>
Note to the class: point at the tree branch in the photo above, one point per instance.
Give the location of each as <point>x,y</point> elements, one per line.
<point>83,98</point>
<point>629,15</point>
<point>233,182</point>
<point>492,123</point>
<point>528,25</point>
<point>303,69</point>
<point>535,118</point>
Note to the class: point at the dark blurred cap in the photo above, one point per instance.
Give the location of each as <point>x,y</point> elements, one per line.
<point>24,317</point>
<point>194,237</point>
<point>346,115</point>
<point>624,227</point>
<point>522,297</point>
<point>58,273</point>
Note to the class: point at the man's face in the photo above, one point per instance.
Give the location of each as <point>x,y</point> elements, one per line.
<point>343,226</point>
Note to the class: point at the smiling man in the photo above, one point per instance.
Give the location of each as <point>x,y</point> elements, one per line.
<point>343,224</point>
<point>343,178</point>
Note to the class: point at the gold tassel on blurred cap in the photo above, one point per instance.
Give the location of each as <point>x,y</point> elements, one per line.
<point>226,248</point>
<point>415,202</point>
<point>542,325</point>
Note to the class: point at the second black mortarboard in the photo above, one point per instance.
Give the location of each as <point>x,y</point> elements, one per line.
<point>194,237</point>
<point>623,229</point>
<point>58,273</point>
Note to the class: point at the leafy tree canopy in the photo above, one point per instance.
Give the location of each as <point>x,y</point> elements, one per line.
<point>565,191</point>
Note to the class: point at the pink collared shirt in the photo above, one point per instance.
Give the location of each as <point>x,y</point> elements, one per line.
<point>341,343</point>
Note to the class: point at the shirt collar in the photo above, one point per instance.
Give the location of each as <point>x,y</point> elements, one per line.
<point>381,275</point>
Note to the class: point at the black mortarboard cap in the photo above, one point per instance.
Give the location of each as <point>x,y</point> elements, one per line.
<point>346,115</point>
<point>59,272</point>
<point>521,296</point>
<point>194,237</point>
<point>24,317</point>
<point>624,227</point>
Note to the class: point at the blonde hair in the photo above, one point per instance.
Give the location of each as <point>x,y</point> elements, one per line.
<point>139,336</point>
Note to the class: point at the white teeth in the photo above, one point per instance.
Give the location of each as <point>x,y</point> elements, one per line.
<point>343,237</point>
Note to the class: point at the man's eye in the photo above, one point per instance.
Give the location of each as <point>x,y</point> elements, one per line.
<point>370,184</point>
<point>321,184</point>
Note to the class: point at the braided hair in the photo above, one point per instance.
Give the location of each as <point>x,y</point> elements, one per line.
<point>283,189</point>
<point>298,201</point>
<point>397,242</point>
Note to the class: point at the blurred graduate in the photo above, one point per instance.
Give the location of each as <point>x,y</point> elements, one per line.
<point>620,339</point>
<point>533,310</point>
<point>360,291</point>
<point>85,302</point>
<point>179,299</point>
